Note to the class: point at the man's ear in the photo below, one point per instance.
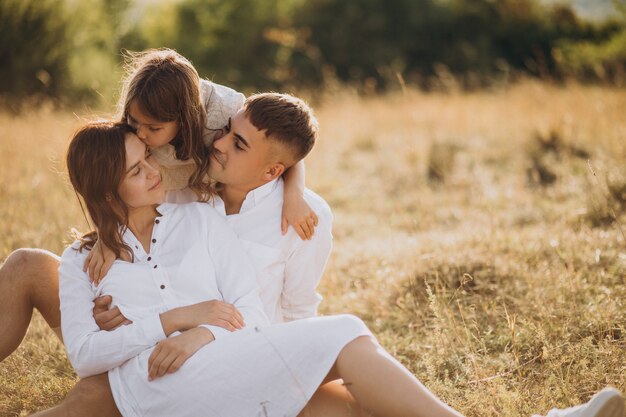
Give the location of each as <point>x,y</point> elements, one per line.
<point>274,171</point>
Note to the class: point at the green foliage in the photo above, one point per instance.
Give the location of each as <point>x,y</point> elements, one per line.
<point>71,48</point>
<point>34,59</point>
<point>238,42</point>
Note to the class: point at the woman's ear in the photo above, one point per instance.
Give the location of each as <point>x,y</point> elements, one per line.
<point>273,172</point>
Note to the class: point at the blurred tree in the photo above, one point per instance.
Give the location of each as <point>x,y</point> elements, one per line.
<point>33,35</point>
<point>239,42</point>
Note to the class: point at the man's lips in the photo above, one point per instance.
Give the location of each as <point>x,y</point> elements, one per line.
<point>217,159</point>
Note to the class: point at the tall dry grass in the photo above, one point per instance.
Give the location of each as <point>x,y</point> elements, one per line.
<point>465,236</point>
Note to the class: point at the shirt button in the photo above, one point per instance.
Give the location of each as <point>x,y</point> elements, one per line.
<point>154,267</point>
<point>157,221</point>
<point>136,246</point>
<point>162,286</point>
<point>153,240</point>
<point>149,258</point>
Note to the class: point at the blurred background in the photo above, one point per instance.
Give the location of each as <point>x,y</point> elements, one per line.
<point>68,50</point>
<point>473,152</point>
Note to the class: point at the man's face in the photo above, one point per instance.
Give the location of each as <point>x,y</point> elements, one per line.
<point>241,157</point>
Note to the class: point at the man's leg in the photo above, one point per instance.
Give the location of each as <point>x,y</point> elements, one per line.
<point>29,279</point>
<point>90,397</point>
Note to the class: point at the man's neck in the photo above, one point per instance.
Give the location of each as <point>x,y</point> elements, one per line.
<point>233,198</point>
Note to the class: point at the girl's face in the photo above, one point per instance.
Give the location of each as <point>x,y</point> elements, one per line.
<point>141,185</point>
<point>152,132</point>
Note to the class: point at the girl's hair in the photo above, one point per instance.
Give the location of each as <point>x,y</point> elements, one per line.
<point>96,163</point>
<point>166,87</point>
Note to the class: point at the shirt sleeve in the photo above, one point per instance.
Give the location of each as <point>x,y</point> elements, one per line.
<point>220,103</point>
<point>236,275</point>
<point>91,350</point>
<point>304,269</point>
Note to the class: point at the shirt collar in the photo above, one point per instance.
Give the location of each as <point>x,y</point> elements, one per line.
<point>164,208</point>
<point>256,196</point>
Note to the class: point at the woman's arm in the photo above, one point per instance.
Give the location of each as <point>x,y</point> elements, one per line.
<point>235,273</point>
<point>92,351</point>
<point>296,211</point>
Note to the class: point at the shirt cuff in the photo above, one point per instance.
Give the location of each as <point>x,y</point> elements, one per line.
<point>216,330</point>
<point>152,328</point>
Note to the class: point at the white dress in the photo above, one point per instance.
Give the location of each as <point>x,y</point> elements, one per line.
<point>263,370</point>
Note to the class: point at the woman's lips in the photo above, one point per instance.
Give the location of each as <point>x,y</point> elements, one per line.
<point>155,186</point>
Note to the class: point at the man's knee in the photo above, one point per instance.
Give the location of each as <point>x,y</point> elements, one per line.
<point>91,396</point>
<point>24,263</point>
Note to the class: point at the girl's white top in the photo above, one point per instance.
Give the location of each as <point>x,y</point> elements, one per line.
<point>220,103</point>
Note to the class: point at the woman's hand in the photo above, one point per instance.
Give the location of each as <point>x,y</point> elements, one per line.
<point>213,312</point>
<point>298,214</point>
<point>170,354</point>
<point>98,262</point>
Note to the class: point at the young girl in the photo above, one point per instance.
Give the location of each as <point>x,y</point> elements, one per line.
<point>179,115</point>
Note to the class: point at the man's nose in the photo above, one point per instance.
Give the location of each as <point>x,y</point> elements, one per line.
<point>220,143</point>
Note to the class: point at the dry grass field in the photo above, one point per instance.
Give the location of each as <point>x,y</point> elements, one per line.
<point>470,234</point>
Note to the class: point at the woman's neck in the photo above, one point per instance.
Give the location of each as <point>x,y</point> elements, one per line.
<point>141,223</point>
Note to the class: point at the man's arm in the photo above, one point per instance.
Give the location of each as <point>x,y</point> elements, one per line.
<point>304,269</point>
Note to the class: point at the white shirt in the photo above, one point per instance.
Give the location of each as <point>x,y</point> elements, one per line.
<point>288,268</point>
<point>194,256</point>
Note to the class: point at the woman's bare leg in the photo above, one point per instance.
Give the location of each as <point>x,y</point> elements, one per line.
<point>333,400</point>
<point>381,385</point>
<point>28,279</point>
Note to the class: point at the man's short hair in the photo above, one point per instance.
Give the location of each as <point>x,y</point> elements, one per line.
<point>285,119</point>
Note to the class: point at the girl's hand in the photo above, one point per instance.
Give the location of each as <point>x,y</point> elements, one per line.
<point>298,214</point>
<point>98,262</point>
<point>170,354</point>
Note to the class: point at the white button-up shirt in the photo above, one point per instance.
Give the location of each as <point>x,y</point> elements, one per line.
<point>288,268</point>
<point>194,256</point>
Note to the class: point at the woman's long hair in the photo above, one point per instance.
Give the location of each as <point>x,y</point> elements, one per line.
<point>96,163</point>
<point>166,87</point>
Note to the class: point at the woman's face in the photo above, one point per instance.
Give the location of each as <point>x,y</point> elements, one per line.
<point>141,184</point>
<point>153,133</point>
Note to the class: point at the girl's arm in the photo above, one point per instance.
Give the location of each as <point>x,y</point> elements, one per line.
<point>98,262</point>
<point>296,211</point>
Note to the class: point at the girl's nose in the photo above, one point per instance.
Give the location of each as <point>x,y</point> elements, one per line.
<point>141,133</point>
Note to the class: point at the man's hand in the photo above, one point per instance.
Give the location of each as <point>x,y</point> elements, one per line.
<point>108,319</point>
<point>170,354</point>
